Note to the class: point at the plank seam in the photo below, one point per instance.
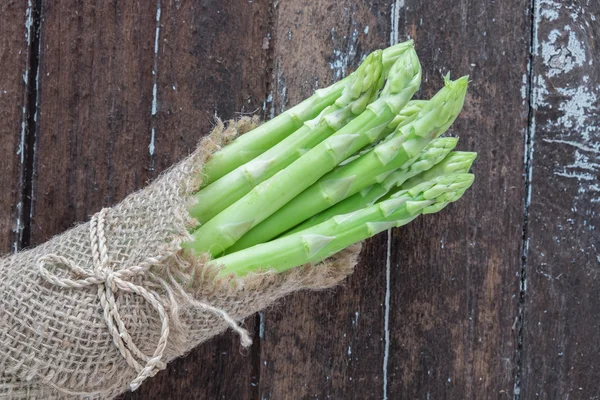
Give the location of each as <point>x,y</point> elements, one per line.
<point>259,326</point>
<point>395,8</point>
<point>29,133</point>
<point>386,320</point>
<point>528,171</point>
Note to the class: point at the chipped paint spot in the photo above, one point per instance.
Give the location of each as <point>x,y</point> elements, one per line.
<point>261,325</point>
<point>355,319</point>
<point>343,57</point>
<point>594,147</point>
<point>577,108</point>
<point>524,87</point>
<point>548,9</point>
<point>562,59</point>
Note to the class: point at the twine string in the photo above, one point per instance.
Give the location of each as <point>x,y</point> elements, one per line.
<point>109,282</point>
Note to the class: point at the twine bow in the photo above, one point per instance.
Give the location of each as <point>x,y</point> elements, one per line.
<point>109,282</point>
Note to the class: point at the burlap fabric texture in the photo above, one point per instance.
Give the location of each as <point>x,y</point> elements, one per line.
<point>100,308</point>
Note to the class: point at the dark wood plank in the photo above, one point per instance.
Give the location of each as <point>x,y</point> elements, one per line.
<point>210,59</point>
<point>15,37</point>
<point>455,285</point>
<point>329,344</point>
<point>95,96</point>
<point>561,356</point>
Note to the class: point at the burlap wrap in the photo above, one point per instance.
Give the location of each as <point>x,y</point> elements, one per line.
<point>108,303</point>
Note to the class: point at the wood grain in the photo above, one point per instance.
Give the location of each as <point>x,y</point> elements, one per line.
<point>210,60</point>
<point>330,344</point>
<point>454,285</point>
<point>15,37</point>
<point>95,96</point>
<point>496,297</point>
<point>562,301</point>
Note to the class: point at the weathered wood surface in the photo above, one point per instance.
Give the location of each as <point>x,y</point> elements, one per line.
<point>337,335</point>
<point>561,288</point>
<point>495,297</point>
<point>93,124</point>
<point>211,58</point>
<point>455,285</point>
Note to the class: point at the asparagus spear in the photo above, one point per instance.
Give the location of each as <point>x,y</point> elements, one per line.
<point>407,114</point>
<point>455,162</point>
<point>360,90</point>
<point>433,154</point>
<point>227,227</point>
<point>395,152</point>
<point>320,241</point>
<point>255,142</point>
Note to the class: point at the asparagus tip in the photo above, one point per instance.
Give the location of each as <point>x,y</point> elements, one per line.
<point>391,54</point>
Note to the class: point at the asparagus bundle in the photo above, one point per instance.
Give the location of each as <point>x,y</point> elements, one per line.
<point>223,230</point>
<point>369,146</point>
<point>360,89</point>
<point>399,150</point>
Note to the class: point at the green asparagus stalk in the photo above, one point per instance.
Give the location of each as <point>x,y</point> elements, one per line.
<point>227,227</point>
<point>321,241</point>
<point>433,154</point>
<point>265,136</point>
<point>397,151</point>
<point>360,90</point>
<point>407,114</point>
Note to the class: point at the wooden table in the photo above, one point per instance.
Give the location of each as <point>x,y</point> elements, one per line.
<point>496,297</point>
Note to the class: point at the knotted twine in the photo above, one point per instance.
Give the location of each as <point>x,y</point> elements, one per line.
<point>108,281</point>
<point>80,313</point>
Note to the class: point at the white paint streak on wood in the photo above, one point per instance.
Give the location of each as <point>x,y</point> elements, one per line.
<point>386,323</point>
<point>28,40</point>
<point>261,325</point>
<point>152,145</point>
<point>281,91</point>
<point>19,225</point>
<point>395,13</point>
<point>343,57</point>
<point>593,148</point>
<point>524,88</point>
<point>394,37</point>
